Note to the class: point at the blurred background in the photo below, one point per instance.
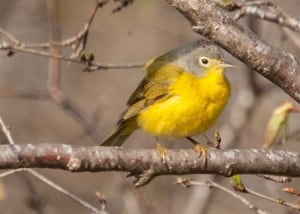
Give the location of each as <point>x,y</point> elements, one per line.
<point>138,33</point>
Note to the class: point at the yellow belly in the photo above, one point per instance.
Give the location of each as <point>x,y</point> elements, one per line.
<point>193,108</point>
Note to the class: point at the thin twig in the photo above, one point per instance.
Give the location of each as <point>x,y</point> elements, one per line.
<point>10,172</point>
<point>91,66</point>
<point>210,184</point>
<point>277,179</point>
<point>79,40</point>
<point>6,132</point>
<point>53,185</point>
<point>279,201</point>
<point>238,196</point>
<point>34,95</point>
<point>67,42</point>
<point>9,36</point>
<point>263,9</point>
<point>63,191</point>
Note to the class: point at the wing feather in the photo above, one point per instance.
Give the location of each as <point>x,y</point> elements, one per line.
<point>153,88</point>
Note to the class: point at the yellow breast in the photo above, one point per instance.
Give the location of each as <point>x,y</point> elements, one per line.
<point>193,107</point>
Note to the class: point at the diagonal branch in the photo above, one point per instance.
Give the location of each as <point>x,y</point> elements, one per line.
<point>278,66</point>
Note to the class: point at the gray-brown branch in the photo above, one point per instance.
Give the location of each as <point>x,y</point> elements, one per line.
<point>278,66</point>
<point>145,164</point>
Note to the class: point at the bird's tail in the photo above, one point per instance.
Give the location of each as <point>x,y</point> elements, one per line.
<point>120,134</point>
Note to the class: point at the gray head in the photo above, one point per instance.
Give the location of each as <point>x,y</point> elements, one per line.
<point>197,56</point>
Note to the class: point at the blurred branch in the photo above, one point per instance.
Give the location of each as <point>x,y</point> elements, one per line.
<point>54,186</point>
<point>77,39</point>
<point>295,39</point>
<point>211,184</point>
<point>276,179</point>
<point>279,67</point>
<point>65,103</point>
<point>73,110</point>
<point>267,10</point>
<point>9,36</point>
<point>276,200</point>
<point>54,54</point>
<point>76,42</point>
<point>34,95</point>
<point>54,71</point>
<point>54,68</point>
<point>81,36</point>
<point>263,9</point>
<point>123,4</point>
<point>90,65</point>
<point>186,182</point>
<point>145,164</point>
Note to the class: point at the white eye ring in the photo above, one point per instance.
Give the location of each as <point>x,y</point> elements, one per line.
<point>204,61</point>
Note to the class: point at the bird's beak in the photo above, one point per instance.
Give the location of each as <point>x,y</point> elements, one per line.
<point>225,65</point>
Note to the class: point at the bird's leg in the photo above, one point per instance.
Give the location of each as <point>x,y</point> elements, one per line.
<point>161,150</point>
<point>201,150</point>
<point>217,141</point>
<point>209,142</point>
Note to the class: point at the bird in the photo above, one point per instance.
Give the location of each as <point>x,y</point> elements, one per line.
<point>182,94</point>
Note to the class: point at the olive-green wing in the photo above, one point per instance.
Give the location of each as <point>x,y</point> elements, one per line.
<point>151,78</point>
<point>145,95</point>
<point>152,89</point>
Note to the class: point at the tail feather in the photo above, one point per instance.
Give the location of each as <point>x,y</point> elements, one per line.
<point>118,136</point>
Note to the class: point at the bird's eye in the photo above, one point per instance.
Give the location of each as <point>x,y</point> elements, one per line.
<point>204,61</point>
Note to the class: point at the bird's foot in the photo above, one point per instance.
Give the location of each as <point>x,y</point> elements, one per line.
<point>162,151</point>
<point>200,149</point>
